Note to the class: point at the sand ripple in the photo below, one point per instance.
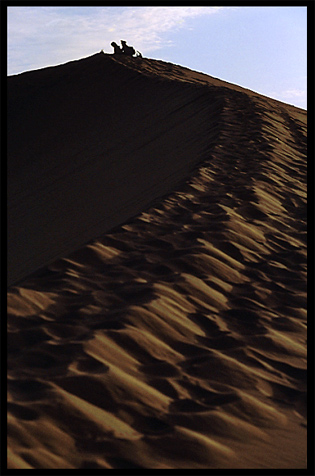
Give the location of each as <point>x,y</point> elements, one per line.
<point>178,339</point>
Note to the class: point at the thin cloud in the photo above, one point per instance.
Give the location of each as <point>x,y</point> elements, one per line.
<point>295,96</point>
<point>294,93</point>
<point>42,36</point>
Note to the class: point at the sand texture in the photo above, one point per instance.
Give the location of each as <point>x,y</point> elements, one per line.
<point>157,271</point>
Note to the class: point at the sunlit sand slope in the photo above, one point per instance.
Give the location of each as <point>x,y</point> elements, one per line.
<point>178,339</point>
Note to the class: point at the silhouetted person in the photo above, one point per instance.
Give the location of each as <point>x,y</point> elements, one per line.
<point>117,49</point>
<point>127,50</point>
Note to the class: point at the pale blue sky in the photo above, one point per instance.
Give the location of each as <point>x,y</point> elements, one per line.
<point>259,48</point>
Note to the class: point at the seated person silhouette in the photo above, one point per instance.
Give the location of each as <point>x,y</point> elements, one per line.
<point>117,50</point>
<point>127,50</point>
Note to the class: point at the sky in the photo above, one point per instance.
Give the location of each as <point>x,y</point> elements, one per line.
<point>259,48</point>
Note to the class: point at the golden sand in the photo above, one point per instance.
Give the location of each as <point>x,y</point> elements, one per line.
<point>164,324</point>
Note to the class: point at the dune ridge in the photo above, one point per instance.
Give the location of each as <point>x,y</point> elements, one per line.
<point>94,123</point>
<point>177,339</point>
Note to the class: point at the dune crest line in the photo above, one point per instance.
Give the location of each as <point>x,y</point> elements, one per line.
<point>98,126</point>
<point>177,339</point>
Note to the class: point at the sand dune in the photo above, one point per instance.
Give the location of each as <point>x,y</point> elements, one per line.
<point>175,338</point>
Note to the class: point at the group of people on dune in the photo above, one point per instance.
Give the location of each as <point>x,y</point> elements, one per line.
<point>125,49</point>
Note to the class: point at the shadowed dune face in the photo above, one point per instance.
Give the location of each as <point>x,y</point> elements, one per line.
<point>178,339</point>
<point>91,126</point>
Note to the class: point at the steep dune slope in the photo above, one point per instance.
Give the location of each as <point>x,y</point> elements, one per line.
<point>78,136</point>
<point>178,338</point>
